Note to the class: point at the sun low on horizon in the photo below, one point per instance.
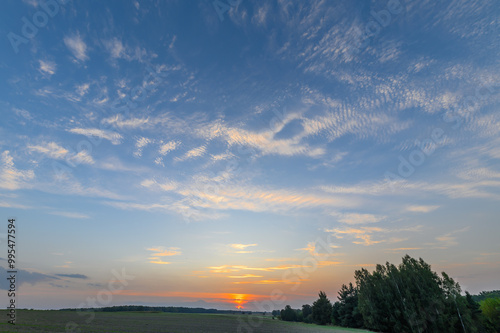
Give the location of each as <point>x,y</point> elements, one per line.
<point>244,155</point>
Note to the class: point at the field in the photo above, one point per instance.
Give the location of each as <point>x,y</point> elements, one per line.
<point>56,321</point>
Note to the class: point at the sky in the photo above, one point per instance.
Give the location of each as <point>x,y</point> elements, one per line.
<point>228,154</point>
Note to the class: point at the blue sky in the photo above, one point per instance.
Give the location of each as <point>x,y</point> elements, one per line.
<point>218,153</point>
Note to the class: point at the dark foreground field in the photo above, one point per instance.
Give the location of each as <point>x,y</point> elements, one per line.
<point>56,321</point>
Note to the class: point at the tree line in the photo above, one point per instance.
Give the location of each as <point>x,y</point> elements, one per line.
<point>405,298</point>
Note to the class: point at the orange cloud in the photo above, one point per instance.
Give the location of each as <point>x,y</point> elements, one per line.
<point>241,246</point>
<point>244,276</point>
<point>162,252</point>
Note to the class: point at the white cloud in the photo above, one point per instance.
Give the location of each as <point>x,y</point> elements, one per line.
<point>169,146</point>
<point>356,218</point>
<point>10,177</point>
<point>195,152</point>
<point>222,157</point>
<point>421,209</point>
<point>71,215</point>
<point>77,46</point>
<point>115,48</point>
<point>140,143</point>
<point>118,121</point>
<point>51,149</point>
<point>47,67</point>
<point>113,137</point>
<point>82,89</point>
<point>154,185</point>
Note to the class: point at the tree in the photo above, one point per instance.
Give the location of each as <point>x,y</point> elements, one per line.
<point>491,310</point>
<point>322,310</point>
<point>412,298</point>
<point>288,314</point>
<point>345,312</point>
<point>307,313</point>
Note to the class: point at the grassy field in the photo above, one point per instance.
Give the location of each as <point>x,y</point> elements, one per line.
<point>56,321</point>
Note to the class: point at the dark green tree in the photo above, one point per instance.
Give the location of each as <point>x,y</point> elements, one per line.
<point>307,313</point>
<point>412,298</point>
<point>322,310</point>
<point>346,312</point>
<point>288,314</point>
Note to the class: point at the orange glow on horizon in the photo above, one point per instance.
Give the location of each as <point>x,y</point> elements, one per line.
<point>239,300</point>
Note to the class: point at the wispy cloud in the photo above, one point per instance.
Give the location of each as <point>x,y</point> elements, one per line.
<point>449,239</point>
<point>114,137</point>
<point>71,215</point>
<point>55,151</point>
<point>421,209</point>
<point>120,122</point>
<point>160,252</point>
<point>74,276</point>
<point>365,234</point>
<point>241,246</point>
<point>47,67</point>
<point>77,46</point>
<point>357,218</point>
<point>196,152</point>
<point>51,149</point>
<point>12,178</point>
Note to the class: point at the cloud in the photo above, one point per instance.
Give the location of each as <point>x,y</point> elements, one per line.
<point>167,147</point>
<point>140,143</point>
<point>74,276</point>
<point>23,277</point>
<point>13,205</point>
<point>165,252</point>
<point>166,186</point>
<point>23,113</point>
<point>356,218</point>
<point>241,246</point>
<point>12,178</point>
<point>470,189</point>
<point>160,251</point>
<point>222,157</point>
<point>449,239</point>
<point>82,89</point>
<point>77,47</point>
<point>47,67</point>
<point>119,121</point>
<point>53,150</point>
<point>246,276</point>
<point>263,141</point>
<point>196,152</point>
<point>115,48</point>
<point>71,215</point>
<point>421,209</point>
<point>365,234</point>
<point>403,249</point>
<point>114,137</point>
<point>237,268</point>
